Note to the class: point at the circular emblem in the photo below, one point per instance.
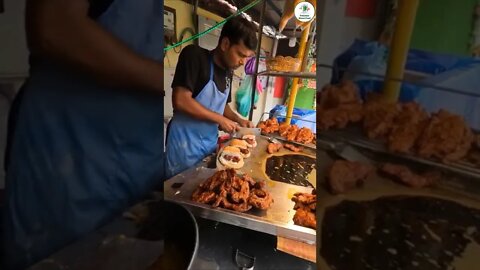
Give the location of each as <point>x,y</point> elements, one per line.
<point>304,11</point>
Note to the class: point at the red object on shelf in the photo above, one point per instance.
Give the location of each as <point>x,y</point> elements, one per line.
<point>279,87</point>
<point>361,8</point>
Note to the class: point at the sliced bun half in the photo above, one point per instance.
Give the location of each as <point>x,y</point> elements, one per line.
<point>250,140</point>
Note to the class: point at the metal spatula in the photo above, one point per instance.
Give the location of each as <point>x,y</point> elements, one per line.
<point>343,150</point>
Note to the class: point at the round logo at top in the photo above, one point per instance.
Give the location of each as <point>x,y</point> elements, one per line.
<point>304,11</point>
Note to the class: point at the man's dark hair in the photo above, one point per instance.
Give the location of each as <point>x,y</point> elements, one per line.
<point>239,29</point>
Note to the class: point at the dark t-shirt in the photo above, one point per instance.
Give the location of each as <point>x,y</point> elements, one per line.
<point>193,71</point>
<point>98,7</point>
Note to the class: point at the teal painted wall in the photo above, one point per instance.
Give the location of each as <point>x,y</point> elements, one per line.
<point>444,26</point>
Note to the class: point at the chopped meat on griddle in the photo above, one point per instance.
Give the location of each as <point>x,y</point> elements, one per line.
<point>244,151</point>
<point>406,176</point>
<point>292,147</point>
<point>344,175</point>
<point>273,147</point>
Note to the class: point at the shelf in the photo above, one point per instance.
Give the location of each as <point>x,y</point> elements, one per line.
<point>307,75</point>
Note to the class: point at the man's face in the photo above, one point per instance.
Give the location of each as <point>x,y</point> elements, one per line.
<point>235,55</point>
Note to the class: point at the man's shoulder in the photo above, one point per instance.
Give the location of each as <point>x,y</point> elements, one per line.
<point>194,50</point>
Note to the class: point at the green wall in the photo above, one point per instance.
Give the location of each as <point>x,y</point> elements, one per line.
<point>444,26</point>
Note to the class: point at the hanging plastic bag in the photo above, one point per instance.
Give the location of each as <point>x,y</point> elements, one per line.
<point>244,96</point>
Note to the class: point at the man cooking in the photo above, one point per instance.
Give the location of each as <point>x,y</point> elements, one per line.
<point>86,130</point>
<point>201,93</point>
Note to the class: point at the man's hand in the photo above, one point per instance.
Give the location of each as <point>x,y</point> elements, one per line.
<point>228,125</point>
<point>245,123</point>
<point>230,114</point>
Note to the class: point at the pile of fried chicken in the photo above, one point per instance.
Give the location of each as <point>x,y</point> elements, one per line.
<point>231,191</point>
<point>338,105</point>
<point>406,128</point>
<point>290,132</point>
<point>346,175</point>
<point>305,206</point>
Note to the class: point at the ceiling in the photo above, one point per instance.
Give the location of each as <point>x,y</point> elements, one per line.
<point>273,12</point>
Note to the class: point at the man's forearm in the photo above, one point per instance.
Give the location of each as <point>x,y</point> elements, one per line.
<point>61,30</point>
<point>230,114</point>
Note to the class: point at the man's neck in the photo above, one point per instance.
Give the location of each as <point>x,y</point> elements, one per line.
<point>217,59</point>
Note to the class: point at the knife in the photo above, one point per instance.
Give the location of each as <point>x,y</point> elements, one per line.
<point>242,131</point>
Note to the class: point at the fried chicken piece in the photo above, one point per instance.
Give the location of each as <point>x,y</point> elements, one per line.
<point>304,200</point>
<point>249,180</point>
<point>332,96</point>
<point>446,137</point>
<point>338,106</point>
<point>292,147</point>
<point>305,135</point>
<point>273,147</point>
<point>292,133</point>
<point>288,131</point>
<point>407,127</point>
<point>207,197</point>
<point>339,117</point>
<point>223,202</point>
<point>378,117</point>
<point>260,199</point>
<point>344,175</point>
<point>305,206</point>
<point>283,129</point>
<point>406,176</point>
<point>240,190</point>
<point>306,218</point>
<point>269,126</point>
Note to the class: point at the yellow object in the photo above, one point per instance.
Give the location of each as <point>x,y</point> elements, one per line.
<point>288,12</point>
<point>407,11</point>
<point>293,94</point>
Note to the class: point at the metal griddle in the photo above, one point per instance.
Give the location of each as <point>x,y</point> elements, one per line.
<point>277,220</point>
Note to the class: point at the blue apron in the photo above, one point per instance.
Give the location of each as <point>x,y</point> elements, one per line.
<point>82,152</point>
<point>190,140</point>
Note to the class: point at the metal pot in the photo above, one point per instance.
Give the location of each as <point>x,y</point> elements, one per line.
<point>179,230</point>
<point>166,239</point>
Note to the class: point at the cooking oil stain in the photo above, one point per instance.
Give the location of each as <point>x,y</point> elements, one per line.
<point>291,169</point>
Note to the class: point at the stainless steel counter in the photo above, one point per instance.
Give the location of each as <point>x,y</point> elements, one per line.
<point>277,220</point>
